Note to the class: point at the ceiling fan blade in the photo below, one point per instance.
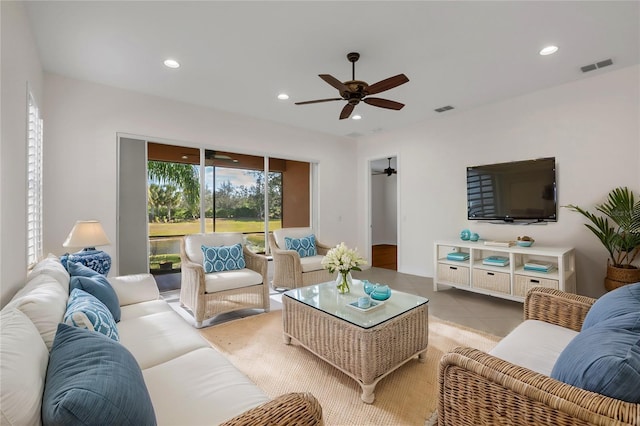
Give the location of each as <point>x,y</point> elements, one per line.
<point>388,83</point>
<point>346,111</point>
<point>383,103</point>
<point>318,100</point>
<point>334,82</point>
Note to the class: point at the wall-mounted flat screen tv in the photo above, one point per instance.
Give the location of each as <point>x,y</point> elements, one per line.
<point>514,191</point>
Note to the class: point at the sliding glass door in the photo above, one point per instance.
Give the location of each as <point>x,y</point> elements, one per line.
<point>192,190</point>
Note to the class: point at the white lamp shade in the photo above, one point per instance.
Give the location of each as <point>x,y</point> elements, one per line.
<point>86,233</point>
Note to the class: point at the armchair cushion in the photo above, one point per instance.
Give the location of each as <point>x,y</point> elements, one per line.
<point>223,258</point>
<point>280,234</point>
<point>311,263</point>
<point>305,246</point>
<point>228,280</point>
<point>535,345</point>
<point>193,243</point>
<point>604,359</point>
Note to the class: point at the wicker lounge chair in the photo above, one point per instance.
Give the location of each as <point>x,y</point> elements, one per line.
<point>291,271</point>
<point>208,295</point>
<point>479,389</point>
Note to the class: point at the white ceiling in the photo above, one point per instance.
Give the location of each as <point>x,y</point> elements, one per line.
<point>238,55</point>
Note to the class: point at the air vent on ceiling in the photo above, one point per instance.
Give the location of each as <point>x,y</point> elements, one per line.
<point>597,65</point>
<point>444,108</point>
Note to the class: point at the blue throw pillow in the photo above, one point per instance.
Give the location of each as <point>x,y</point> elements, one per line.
<point>223,258</point>
<point>305,246</point>
<point>621,301</point>
<point>94,283</point>
<point>86,311</point>
<point>604,359</point>
<point>92,380</point>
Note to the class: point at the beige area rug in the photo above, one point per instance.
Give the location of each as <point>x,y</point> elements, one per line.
<point>407,396</point>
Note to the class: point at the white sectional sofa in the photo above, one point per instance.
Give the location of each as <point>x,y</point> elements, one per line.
<point>188,381</point>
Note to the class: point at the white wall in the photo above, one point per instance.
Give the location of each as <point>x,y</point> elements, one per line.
<point>81,167</point>
<point>384,209</point>
<point>20,65</point>
<point>592,128</point>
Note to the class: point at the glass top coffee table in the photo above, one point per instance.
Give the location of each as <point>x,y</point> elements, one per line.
<point>365,345</point>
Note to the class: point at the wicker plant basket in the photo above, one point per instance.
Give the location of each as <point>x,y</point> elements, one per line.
<point>617,277</point>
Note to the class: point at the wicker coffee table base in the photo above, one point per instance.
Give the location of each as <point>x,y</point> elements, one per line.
<point>366,355</point>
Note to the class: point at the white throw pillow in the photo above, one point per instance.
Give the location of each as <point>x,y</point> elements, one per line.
<point>44,302</point>
<point>23,367</point>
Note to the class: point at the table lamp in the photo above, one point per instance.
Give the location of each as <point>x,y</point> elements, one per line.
<point>88,234</point>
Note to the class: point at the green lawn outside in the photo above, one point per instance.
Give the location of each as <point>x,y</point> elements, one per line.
<point>222,225</point>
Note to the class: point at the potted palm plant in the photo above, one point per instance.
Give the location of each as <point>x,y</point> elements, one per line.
<point>617,226</point>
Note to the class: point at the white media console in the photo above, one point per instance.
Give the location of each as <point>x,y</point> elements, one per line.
<point>509,282</point>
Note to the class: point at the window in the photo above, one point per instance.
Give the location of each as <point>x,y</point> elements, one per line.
<point>34,182</point>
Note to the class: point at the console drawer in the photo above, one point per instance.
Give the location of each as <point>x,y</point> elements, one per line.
<point>524,283</point>
<point>491,280</point>
<point>453,274</point>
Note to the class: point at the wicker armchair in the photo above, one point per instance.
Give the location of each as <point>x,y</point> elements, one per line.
<point>479,389</point>
<point>289,270</point>
<point>300,409</point>
<point>208,295</point>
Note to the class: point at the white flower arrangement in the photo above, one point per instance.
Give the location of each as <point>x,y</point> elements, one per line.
<point>343,259</point>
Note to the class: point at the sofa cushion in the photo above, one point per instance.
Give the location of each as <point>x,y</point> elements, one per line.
<point>623,300</point>
<point>534,345</point>
<point>22,369</point>
<point>93,380</point>
<point>135,288</point>
<point>44,302</point>
<point>228,280</point>
<point>305,246</point>
<point>96,284</point>
<point>157,338</point>
<point>196,379</point>
<point>193,243</point>
<point>141,309</point>
<point>51,266</point>
<point>604,359</point>
<point>86,311</point>
<point>223,258</point>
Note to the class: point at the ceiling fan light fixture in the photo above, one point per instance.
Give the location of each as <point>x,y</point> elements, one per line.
<point>548,50</point>
<point>356,117</point>
<point>283,96</point>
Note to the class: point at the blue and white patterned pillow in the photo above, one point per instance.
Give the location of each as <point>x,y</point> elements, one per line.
<point>223,258</point>
<point>86,311</point>
<point>305,246</point>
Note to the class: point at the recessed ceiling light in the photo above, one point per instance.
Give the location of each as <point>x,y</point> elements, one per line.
<point>171,63</point>
<point>356,117</point>
<point>283,96</point>
<point>549,50</point>
<point>185,157</point>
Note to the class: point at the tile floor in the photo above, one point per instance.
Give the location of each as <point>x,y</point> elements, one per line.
<point>490,314</point>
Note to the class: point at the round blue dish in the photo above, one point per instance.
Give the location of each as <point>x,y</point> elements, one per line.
<point>381,292</point>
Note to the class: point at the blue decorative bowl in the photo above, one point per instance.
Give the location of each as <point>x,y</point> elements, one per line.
<point>522,243</point>
<point>368,286</point>
<point>381,292</point>
<point>474,237</point>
